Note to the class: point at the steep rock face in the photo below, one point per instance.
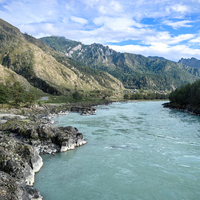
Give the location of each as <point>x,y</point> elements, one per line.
<point>133,70</point>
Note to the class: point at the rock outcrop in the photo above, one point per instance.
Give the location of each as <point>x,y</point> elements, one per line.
<point>22,140</point>
<point>84,110</point>
<point>18,163</point>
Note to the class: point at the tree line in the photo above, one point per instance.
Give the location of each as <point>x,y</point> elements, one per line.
<point>187,94</point>
<point>145,96</point>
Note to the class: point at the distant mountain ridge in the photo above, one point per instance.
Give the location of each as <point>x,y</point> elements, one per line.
<point>135,71</point>
<point>46,69</point>
<point>156,57</point>
<point>192,62</point>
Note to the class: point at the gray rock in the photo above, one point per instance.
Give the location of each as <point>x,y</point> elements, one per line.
<point>20,150</point>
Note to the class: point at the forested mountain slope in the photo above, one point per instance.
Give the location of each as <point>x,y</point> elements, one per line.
<point>135,71</point>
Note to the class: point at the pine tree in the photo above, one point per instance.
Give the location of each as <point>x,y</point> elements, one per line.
<point>18,93</point>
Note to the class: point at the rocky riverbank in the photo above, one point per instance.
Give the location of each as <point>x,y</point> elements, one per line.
<point>23,138</point>
<point>187,109</point>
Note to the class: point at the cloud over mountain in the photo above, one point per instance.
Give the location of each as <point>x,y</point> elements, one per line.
<point>145,25</point>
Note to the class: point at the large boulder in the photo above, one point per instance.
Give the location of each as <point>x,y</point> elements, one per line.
<point>47,131</point>
<point>69,138</point>
<point>46,136</point>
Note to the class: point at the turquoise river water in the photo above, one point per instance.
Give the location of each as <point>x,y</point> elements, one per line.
<point>135,151</point>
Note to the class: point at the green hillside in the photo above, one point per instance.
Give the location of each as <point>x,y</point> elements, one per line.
<point>46,69</point>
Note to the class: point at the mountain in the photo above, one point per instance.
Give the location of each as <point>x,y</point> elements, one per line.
<point>156,57</point>
<point>46,69</point>
<point>192,62</point>
<point>135,71</point>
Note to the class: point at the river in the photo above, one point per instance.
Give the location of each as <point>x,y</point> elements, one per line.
<point>135,151</point>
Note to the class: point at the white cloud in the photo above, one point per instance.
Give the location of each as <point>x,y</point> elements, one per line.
<point>110,8</point>
<point>166,38</point>
<point>117,23</point>
<point>179,24</point>
<point>41,30</point>
<point>181,38</point>
<point>79,20</point>
<point>173,53</point>
<point>103,21</point>
<point>19,12</point>
<point>179,8</point>
<point>195,40</point>
<point>92,3</point>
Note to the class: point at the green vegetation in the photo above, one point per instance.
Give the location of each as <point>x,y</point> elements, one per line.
<point>188,94</point>
<point>15,95</point>
<point>126,96</point>
<point>145,96</point>
<point>95,96</point>
<point>87,69</point>
<point>77,96</point>
<point>30,98</point>
<point>18,93</point>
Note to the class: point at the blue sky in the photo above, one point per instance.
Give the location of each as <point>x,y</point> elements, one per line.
<point>167,28</point>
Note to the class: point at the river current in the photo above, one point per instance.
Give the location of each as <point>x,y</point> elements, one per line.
<point>135,151</point>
